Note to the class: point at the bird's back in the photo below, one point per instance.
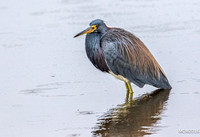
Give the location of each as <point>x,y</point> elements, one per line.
<point>127,55</point>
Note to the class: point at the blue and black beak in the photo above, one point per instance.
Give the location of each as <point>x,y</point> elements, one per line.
<point>88,30</point>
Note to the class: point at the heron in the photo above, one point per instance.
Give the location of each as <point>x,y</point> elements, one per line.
<point>123,55</point>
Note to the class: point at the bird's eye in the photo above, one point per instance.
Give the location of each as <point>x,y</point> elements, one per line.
<point>94,27</point>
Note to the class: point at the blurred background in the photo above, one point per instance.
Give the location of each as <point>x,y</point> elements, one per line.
<point>48,87</point>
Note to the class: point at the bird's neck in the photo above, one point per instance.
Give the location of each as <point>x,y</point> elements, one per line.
<point>104,31</point>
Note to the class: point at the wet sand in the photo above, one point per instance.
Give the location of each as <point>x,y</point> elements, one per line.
<point>50,89</point>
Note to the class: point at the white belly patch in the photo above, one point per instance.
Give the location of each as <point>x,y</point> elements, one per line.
<point>120,77</point>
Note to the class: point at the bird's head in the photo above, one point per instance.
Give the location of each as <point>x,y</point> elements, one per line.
<point>95,26</point>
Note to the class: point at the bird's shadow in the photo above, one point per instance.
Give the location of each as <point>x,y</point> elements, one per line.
<point>136,117</point>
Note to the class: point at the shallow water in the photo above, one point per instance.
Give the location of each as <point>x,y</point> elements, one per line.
<point>49,87</point>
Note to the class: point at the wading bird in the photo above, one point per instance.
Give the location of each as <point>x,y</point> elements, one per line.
<point>123,55</point>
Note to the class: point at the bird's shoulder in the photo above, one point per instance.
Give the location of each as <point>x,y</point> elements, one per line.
<point>122,39</point>
<point>114,34</point>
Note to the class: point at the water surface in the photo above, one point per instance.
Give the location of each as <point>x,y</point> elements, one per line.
<point>50,89</point>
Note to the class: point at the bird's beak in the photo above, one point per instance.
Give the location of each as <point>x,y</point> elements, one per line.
<point>88,30</point>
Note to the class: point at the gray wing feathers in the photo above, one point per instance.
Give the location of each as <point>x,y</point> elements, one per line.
<point>126,55</point>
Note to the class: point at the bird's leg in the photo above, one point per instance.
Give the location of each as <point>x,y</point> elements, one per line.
<point>129,91</point>
<point>127,96</point>
<point>131,97</point>
<point>127,87</point>
<point>130,88</point>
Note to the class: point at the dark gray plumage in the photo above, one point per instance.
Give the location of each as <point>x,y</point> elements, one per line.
<point>94,52</point>
<point>118,51</point>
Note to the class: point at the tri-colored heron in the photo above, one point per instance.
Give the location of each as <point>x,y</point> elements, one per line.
<point>123,55</point>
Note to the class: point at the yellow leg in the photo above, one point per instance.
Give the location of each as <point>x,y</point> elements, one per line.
<point>130,88</point>
<point>127,96</point>
<point>127,88</point>
<point>129,91</point>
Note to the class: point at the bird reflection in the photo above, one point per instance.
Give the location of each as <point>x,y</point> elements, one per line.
<point>136,117</point>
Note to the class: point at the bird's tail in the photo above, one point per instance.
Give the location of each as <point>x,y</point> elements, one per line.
<point>163,82</point>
